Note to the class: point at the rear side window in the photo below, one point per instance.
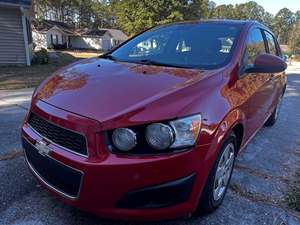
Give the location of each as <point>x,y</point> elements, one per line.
<point>255,46</point>
<point>271,43</point>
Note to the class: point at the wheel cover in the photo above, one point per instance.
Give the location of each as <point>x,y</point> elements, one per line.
<point>223,172</point>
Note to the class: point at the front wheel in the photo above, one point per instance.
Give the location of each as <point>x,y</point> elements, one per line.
<point>219,178</point>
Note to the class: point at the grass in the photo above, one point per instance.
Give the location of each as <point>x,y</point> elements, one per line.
<point>293,196</point>
<point>13,77</point>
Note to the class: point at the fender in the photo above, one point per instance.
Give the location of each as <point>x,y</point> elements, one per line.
<point>233,118</point>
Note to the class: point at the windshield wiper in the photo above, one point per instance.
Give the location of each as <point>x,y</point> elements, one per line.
<point>157,63</point>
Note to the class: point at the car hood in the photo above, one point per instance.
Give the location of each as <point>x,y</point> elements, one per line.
<point>109,91</point>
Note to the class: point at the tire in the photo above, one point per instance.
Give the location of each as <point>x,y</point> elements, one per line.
<point>274,116</point>
<point>210,199</point>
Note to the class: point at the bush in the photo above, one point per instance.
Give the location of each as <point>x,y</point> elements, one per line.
<point>33,46</point>
<point>51,46</point>
<point>41,56</point>
<point>60,46</point>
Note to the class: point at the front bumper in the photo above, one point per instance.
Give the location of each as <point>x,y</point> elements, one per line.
<point>119,186</point>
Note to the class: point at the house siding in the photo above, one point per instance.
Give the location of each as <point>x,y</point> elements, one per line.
<point>90,42</point>
<point>12,47</point>
<point>85,43</point>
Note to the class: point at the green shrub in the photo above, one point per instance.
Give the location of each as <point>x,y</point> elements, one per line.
<point>51,46</point>
<point>41,56</point>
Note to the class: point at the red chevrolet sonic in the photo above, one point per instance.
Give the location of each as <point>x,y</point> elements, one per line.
<point>151,129</point>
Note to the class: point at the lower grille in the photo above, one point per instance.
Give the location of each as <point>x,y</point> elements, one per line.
<point>57,175</point>
<point>61,136</point>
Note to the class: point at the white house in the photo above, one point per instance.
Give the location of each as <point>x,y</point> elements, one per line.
<point>48,34</point>
<point>15,32</point>
<point>53,34</point>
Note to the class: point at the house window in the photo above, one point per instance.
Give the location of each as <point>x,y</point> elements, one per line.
<point>116,42</point>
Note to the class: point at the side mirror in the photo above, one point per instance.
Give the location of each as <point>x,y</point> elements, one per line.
<point>266,63</point>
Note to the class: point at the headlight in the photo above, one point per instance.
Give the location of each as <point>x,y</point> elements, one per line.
<point>186,131</point>
<point>159,136</point>
<point>124,139</point>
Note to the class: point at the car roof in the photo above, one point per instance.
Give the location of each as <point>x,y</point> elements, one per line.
<point>243,23</point>
<point>221,21</point>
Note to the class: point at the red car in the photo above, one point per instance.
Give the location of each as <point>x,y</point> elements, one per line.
<point>150,130</point>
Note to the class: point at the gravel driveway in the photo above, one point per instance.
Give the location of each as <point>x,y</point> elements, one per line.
<point>256,195</point>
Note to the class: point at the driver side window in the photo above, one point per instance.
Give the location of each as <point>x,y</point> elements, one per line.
<point>255,45</point>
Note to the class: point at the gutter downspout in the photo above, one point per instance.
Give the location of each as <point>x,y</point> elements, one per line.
<point>25,35</point>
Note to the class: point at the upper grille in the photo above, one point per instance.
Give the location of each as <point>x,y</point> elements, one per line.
<point>61,136</point>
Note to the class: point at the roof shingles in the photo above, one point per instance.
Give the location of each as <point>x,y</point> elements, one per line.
<point>45,25</point>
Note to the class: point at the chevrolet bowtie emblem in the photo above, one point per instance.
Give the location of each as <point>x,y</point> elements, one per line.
<point>42,147</point>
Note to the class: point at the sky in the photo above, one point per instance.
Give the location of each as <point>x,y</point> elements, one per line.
<point>271,6</point>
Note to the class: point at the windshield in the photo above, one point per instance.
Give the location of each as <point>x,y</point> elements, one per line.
<point>197,45</point>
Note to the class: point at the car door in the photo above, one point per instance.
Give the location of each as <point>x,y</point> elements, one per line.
<point>256,86</point>
<point>274,79</point>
